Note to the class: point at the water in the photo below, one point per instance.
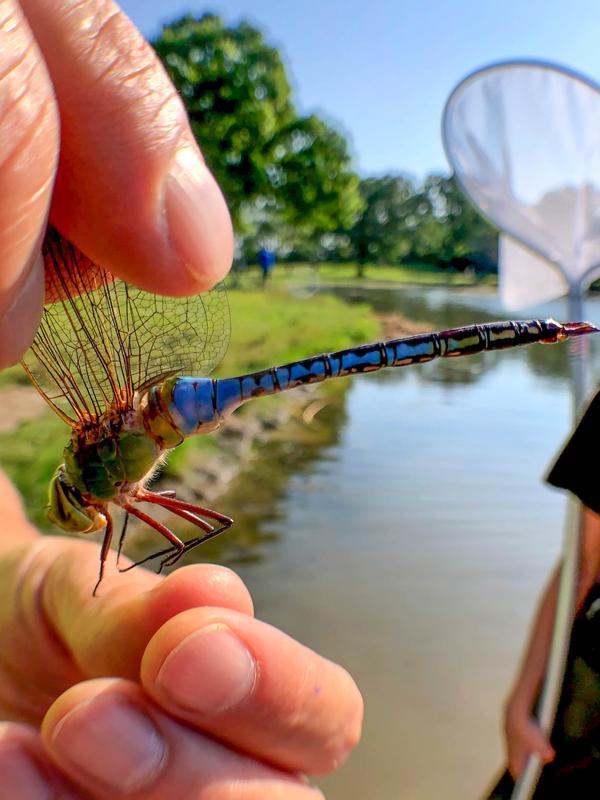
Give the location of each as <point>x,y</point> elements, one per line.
<point>412,550</point>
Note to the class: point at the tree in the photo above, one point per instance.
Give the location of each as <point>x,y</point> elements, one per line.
<point>311,163</point>
<point>453,231</point>
<point>382,232</point>
<point>237,96</point>
<point>272,165</point>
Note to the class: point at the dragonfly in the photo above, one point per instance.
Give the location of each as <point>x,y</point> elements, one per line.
<point>127,371</point>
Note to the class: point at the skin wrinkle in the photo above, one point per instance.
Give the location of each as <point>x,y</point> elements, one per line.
<point>134,74</point>
<point>18,241</point>
<point>160,109</point>
<point>24,89</point>
<point>20,58</point>
<point>20,40</point>
<point>175,123</point>
<point>30,712</point>
<point>47,604</point>
<point>104,36</point>
<point>25,141</point>
<point>13,92</point>
<point>36,195</point>
<point>100,36</point>
<point>4,22</point>
<point>75,6</point>
<point>110,70</point>
<point>55,639</point>
<point>105,29</point>
<point>38,574</point>
<point>12,703</point>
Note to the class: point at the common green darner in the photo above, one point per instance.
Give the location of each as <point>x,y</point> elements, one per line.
<point>113,362</point>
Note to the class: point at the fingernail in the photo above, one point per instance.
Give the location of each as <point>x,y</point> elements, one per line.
<point>198,220</point>
<point>20,321</point>
<point>111,741</point>
<point>208,672</point>
<point>21,776</point>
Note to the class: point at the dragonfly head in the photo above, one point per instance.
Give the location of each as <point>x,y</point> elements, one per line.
<point>68,509</point>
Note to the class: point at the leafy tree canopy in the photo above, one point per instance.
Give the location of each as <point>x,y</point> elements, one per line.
<point>382,232</point>
<point>453,231</point>
<point>270,162</point>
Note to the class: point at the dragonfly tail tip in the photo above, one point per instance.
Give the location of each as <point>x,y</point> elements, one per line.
<point>579,328</point>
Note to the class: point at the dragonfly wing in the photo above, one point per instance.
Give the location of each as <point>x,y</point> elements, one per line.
<point>100,338</point>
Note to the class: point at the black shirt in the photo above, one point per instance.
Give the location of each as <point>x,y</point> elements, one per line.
<point>576,468</point>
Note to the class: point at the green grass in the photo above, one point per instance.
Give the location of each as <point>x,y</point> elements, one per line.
<point>344,274</point>
<point>268,328</point>
<point>30,456</point>
<point>274,327</point>
<point>12,376</point>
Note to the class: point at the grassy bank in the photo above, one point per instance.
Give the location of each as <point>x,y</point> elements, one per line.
<point>267,328</point>
<point>345,274</point>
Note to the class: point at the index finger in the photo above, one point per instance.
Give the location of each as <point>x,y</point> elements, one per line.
<point>132,190</point>
<point>29,133</point>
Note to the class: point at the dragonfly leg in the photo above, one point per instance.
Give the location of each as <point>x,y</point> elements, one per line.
<point>172,556</point>
<point>168,500</point>
<point>108,532</point>
<point>170,493</point>
<point>189,512</point>
<point>122,536</point>
<point>192,544</point>
<point>192,513</point>
<point>177,544</point>
<point>175,506</point>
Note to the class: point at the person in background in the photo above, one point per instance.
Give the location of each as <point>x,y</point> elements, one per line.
<point>266,260</point>
<point>161,687</point>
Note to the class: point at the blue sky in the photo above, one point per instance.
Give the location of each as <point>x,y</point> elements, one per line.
<point>382,70</point>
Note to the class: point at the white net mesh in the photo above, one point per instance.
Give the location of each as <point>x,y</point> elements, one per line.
<point>524,142</point>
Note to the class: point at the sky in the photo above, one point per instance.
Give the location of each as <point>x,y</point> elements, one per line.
<point>381,71</point>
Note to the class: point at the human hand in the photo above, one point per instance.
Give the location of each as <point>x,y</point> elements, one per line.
<point>159,687</point>
<point>95,137</point>
<point>523,738</point>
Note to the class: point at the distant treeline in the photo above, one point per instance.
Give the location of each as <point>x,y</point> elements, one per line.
<point>289,179</point>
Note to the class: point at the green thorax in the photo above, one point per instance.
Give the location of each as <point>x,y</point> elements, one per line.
<point>105,463</point>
